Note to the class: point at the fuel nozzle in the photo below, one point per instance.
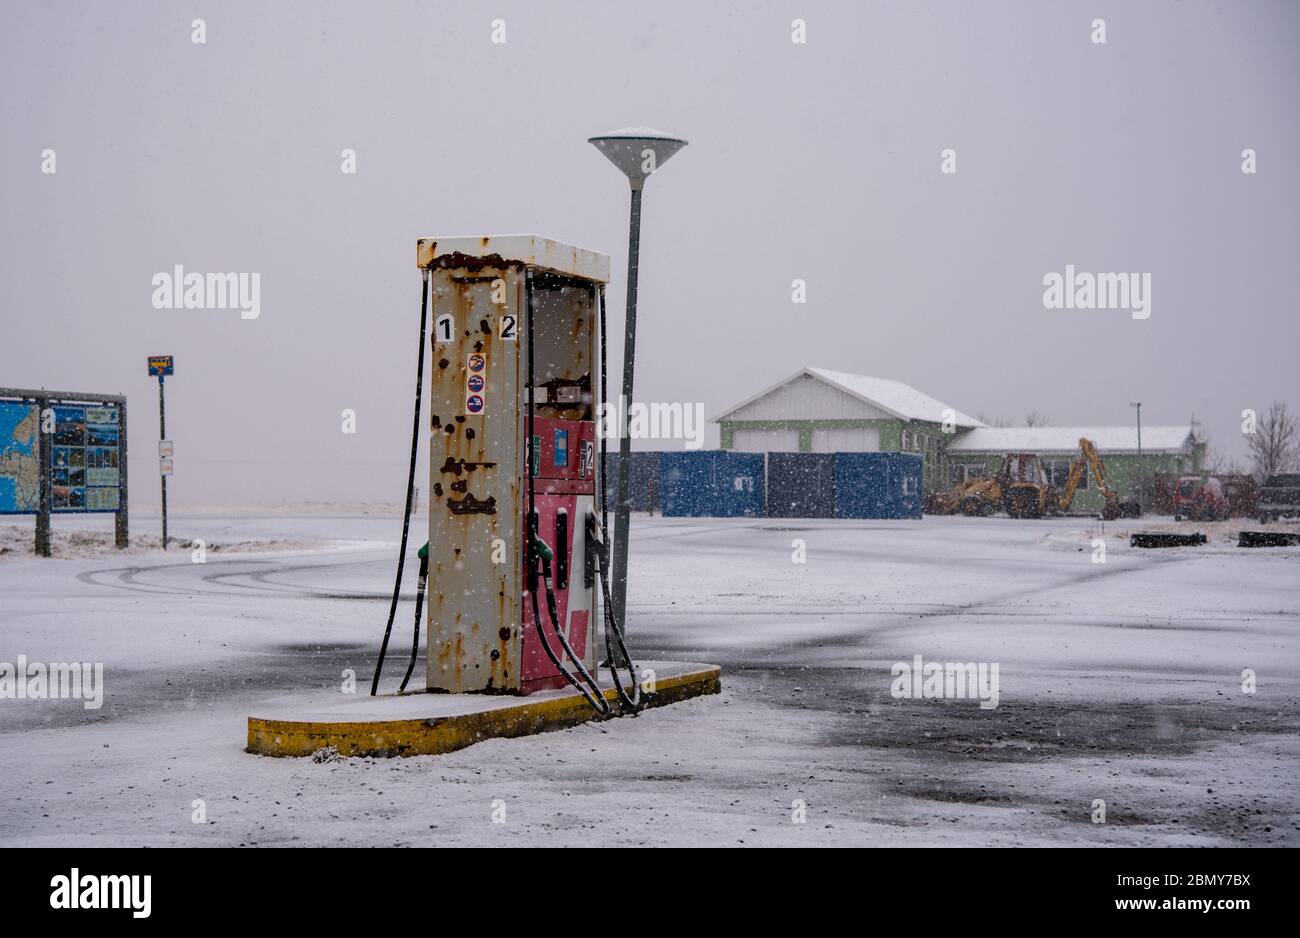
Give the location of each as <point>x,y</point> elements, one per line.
<point>539,553</point>
<point>542,551</point>
<point>534,555</point>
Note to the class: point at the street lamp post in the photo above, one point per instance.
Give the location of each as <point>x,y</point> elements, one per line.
<point>1141,487</point>
<point>637,152</point>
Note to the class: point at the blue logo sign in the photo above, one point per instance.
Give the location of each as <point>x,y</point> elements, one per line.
<point>561,447</point>
<point>474,403</point>
<point>475,383</point>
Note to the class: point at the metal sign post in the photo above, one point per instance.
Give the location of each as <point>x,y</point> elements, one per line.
<point>43,506</point>
<point>162,365</point>
<point>1141,475</point>
<point>121,531</point>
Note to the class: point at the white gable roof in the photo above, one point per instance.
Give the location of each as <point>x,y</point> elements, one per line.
<point>893,397</point>
<point>1066,439</point>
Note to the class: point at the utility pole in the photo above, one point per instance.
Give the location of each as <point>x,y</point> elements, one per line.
<point>1141,487</point>
<point>1138,405</point>
<point>162,366</point>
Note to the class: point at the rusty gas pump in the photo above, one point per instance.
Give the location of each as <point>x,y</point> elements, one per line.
<point>517,554</point>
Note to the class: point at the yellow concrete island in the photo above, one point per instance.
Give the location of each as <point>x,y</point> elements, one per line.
<point>418,724</point>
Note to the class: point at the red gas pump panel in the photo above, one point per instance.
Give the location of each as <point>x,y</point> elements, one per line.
<point>556,515</point>
<point>567,472</point>
<point>568,455</point>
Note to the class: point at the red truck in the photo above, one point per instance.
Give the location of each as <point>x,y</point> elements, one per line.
<point>1200,499</point>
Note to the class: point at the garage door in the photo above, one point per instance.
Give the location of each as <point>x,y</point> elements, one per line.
<point>855,440</point>
<point>765,441</point>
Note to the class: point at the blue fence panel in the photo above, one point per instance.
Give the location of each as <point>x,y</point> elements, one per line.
<point>907,478</point>
<point>800,485</point>
<point>711,484</point>
<point>862,485</point>
<point>681,484</point>
<point>643,480</point>
<point>878,485</point>
<point>727,484</point>
<point>739,485</point>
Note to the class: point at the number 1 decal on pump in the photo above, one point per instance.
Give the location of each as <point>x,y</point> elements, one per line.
<point>443,329</point>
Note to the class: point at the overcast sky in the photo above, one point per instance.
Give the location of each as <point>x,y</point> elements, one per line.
<point>818,161</point>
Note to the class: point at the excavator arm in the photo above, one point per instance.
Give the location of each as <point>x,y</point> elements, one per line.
<point>1071,484</point>
<point>1090,458</point>
<point>1098,469</point>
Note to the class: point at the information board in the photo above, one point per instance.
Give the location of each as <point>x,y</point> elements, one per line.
<point>84,464</point>
<point>20,470</point>
<point>82,451</point>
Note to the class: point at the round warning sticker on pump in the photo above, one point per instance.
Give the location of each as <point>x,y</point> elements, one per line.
<point>475,383</point>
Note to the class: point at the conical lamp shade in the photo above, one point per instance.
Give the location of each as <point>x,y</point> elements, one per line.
<point>637,151</point>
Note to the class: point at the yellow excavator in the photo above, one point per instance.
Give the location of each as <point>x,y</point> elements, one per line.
<point>945,503</point>
<point>1020,488</point>
<point>971,497</point>
<point>1113,507</point>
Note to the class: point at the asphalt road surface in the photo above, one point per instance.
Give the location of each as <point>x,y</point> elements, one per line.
<point>1121,717</point>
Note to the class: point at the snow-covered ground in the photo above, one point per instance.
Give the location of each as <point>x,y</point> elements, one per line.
<point>1119,682</point>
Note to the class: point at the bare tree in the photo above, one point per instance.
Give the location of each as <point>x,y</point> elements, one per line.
<point>1216,461</point>
<point>1035,419</point>
<point>1275,444</point>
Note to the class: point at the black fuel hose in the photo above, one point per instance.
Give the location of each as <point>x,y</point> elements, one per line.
<point>594,697</point>
<point>614,642</point>
<point>632,702</point>
<point>410,482</point>
<point>419,605</point>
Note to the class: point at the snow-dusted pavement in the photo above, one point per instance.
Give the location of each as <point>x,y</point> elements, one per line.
<point>1119,681</point>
